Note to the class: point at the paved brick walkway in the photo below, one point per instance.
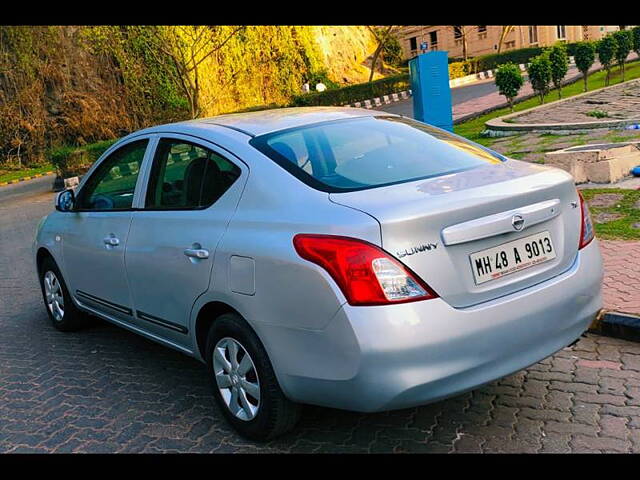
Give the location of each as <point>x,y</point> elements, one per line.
<point>622,275</point>
<point>104,389</point>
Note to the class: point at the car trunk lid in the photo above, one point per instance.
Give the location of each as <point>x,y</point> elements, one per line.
<point>435,226</point>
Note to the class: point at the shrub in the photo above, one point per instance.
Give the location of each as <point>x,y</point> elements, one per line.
<point>540,75</point>
<point>493,60</point>
<point>607,48</point>
<point>71,161</point>
<point>585,55</point>
<point>458,70</point>
<point>559,66</point>
<point>509,81</point>
<point>624,43</point>
<point>354,93</point>
<point>597,114</point>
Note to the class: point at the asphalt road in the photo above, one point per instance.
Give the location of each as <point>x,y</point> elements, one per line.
<point>104,389</point>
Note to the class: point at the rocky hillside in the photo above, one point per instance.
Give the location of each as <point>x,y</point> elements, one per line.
<point>73,85</point>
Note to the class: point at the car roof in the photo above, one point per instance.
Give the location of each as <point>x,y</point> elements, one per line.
<point>268,121</point>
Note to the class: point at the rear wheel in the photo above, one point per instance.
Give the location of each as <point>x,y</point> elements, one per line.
<point>244,383</point>
<point>61,310</point>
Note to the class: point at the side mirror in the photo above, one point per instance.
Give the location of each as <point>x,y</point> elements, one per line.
<point>65,201</point>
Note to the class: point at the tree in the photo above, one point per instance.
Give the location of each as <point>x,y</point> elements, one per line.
<point>585,55</point>
<point>460,32</point>
<point>186,47</point>
<point>559,66</point>
<point>382,36</point>
<point>625,44</point>
<point>509,81</point>
<point>539,71</point>
<point>635,32</point>
<point>506,30</point>
<point>606,53</point>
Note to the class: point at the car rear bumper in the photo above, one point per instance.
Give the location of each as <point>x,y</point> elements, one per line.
<point>389,357</point>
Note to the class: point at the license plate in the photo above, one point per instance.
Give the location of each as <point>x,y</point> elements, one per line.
<point>511,257</point>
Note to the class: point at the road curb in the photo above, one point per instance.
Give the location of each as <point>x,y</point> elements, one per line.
<point>625,326</point>
<point>24,179</point>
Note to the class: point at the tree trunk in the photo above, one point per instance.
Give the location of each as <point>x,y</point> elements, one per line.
<point>376,54</point>
<point>511,103</point>
<point>585,78</point>
<point>559,88</point>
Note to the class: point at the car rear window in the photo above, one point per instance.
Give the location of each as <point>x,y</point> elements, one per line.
<point>368,152</point>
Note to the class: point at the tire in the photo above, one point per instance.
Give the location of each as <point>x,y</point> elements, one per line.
<point>274,414</point>
<point>72,318</point>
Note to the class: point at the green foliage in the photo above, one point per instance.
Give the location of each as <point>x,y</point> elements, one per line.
<point>635,35</point>
<point>585,56</point>
<point>509,81</point>
<point>491,61</point>
<point>607,48</point>
<point>559,65</point>
<point>354,93</point>
<point>392,51</point>
<point>624,42</point>
<point>597,114</point>
<point>540,72</point>
<point>71,160</point>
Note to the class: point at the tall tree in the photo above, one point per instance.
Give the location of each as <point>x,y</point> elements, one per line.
<point>607,48</point>
<point>559,66</point>
<point>460,32</point>
<point>382,36</point>
<point>624,41</point>
<point>186,48</point>
<point>539,71</point>
<point>585,56</point>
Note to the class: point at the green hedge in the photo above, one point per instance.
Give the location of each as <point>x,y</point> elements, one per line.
<point>354,93</point>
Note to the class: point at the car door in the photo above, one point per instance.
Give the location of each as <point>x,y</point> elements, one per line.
<point>96,232</point>
<point>192,192</point>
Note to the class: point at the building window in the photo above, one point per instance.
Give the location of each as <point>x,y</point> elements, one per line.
<point>413,43</point>
<point>511,44</point>
<point>561,32</point>
<point>482,28</point>
<point>457,31</point>
<point>433,40</point>
<point>533,34</point>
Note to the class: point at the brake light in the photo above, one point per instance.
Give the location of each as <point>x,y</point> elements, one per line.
<point>586,229</point>
<point>366,274</point>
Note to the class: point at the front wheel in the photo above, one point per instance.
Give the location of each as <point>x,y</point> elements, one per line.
<point>244,383</point>
<point>61,310</point>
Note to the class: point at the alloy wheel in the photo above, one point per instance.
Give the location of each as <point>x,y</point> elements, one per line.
<point>53,295</point>
<point>236,378</point>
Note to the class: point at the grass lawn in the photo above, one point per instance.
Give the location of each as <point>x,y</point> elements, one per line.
<point>621,228</point>
<point>472,129</point>
<point>9,175</point>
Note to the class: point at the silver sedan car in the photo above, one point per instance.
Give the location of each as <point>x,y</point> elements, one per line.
<point>330,256</point>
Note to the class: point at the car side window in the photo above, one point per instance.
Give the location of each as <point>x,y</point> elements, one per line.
<point>185,176</point>
<point>112,185</point>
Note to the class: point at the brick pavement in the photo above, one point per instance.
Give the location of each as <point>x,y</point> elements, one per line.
<point>621,291</point>
<point>104,389</point>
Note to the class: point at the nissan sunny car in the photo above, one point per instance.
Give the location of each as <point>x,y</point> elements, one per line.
<point>337,257</point>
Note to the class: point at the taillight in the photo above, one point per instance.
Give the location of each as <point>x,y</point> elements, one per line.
<point>366,274</point>
<point>586,229</point>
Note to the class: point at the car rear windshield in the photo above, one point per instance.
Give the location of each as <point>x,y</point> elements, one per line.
<point>368,152</point>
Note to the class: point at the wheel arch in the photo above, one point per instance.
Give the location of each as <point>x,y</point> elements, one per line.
<point>207,314</point>
<point>41,255</point>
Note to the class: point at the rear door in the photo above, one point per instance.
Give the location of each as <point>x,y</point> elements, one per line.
<point>192,192</point>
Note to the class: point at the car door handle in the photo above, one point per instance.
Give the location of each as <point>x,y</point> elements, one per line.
<point>111,241</point>
<point>197,253</point>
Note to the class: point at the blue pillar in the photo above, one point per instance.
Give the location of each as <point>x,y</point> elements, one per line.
<point>429,75</point>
